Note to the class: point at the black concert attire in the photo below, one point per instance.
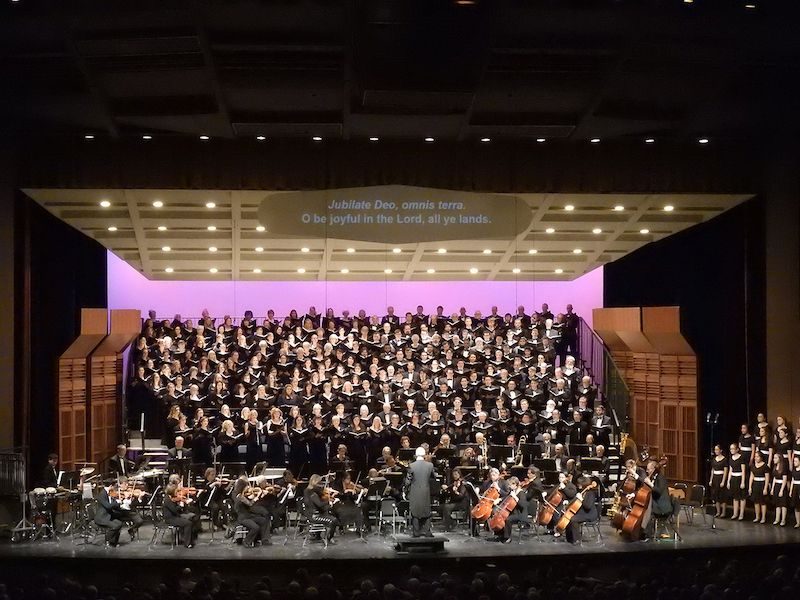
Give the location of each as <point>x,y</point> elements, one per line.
<point>318,511</point>
<point>179,516</point>
<point>759,491</point>
<point>587,512</point>
<point>298,448</point>
<point>105,515</point>
<point>229,447</point>
<point>717,491</point>
<point>256,522</point>
<point>454,497</point>
<point>120,466</point>
<point>736,479</point>
<point>776,481</point>
<point>348,509</point>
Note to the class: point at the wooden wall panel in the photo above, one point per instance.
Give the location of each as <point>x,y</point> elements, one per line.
<point>94,321</point>
<point>661,326</point>
<point>126,321</point>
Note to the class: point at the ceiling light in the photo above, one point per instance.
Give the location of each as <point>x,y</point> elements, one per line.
<point>351,250</point>
<point>473,270</point>
<point>203,137</point>
<point>112,228</point>
<point>373,139</point>
<point>162,228</point>
<point>345,270</point>
<point>577,251</point>
<point>260,228</point>
<point>644,231</point>
<point>166,248</point>
<point>749,5</point>
<point>387,271</point>
<point>213,269</point>
<point>619,207</point>
<point>212,227</point>
<point>595,140</point>
<point>397,250</point>
<point>516,270</point>
<point>559,270</point>
<point>486,140</point>
<point>210,205</point>
<point>702,140</point>
<point>541,140</point>
<point>569,207</point>
<point>429,139</point>
<point>650,141</point>
<point>88,136</point>
<point>442,250</point>
<point>304,249</point>
<point>487,251</point>
<point>259,249</point>
<point>105,203</point>
<point>317,138</point>
<point>532,251</point>
<point>169,269</point>
<point>431,270</point>
<point>669,208</point>
<point>688,1</point>
<point>256,270</point>
<point>158,203</point>
<point>597,230</point>
<point>261,138</point>
<point>212,249</point>
<point>550,230</point>
<point>301,270</point>
<point>147,137</point>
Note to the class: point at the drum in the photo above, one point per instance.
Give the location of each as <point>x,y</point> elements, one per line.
<point>38,499</point>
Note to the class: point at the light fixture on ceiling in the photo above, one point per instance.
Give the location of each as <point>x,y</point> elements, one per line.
<point>442,250</point>
<point>373,139</point>
<point>351,250</point>
<point>516,271</point>
<point>473,270</point>
<point>169,269</point>
<point>162,227</point>
<point>595,140</point>
<point>301,270</point>
<point>702,140</point>
<point>261,138</point>
<point>486,140</point>
<point>429,139</point>
<point>166,248</point>
<point>431,270</point>
<point>387,271</point>
<point>256,270</point>
<point>559,271</point>
<point>644,231</point>
<point>669,208</point>
<point>213,270</point>
<point>750,6</point>
<point>112,228</point>
<point>619,207</point>
<point>597,230</point>
<point>569,207</point>
<point>549,230</point>
<point>532,251</point>
<point>650,141</point>
<point>541,140</point>
<point>212,227</point>
<point>317,138</point>
<point>345,271</point>
<point>212,249</point>
<point>88,136</point>
<point>204,137</point>
<point>396,250</point>
<point>158,203</point>
<point>577,251</point>
<point>487,251</point>
<point>211,205</point>
<point>105,203</point>
<point>304,250</point>
<point>147,137</point>
<point>260,228</point>
<point>259,249</point>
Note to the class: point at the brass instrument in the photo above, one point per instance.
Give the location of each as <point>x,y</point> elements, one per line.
<point>617,495</point>
<point>523,439</point>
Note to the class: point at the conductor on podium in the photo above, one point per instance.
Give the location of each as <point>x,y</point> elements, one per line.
<point>418,491</point>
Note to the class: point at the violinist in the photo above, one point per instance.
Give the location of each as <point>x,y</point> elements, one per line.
<point>533,489</point>
<point>317,504</point>
<point>256,523</point>
<point>586,512</point>
<point>106,514</point>
<point>128,498</point>
<point>176,510</point>
<point>349,510</point>
<point>212,492</point>
<point>453,497</point>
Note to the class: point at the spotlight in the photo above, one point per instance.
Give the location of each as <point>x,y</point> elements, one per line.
<point>387,271</point>
<point>261,138</point>
<point>212,227</point>
<point>317,138</point>
<point>650,141</point>
<point>550,230</point>
<point>112,228</point>
<point>669,208</point>
<point>351,250</point>
<point>147,137</point>
<point>166,248</point>
<point>162,228</point>
<point>259,249</point>
<point>396,250</point>
<point>442,250</point>
<point>88,136</point>
<point>619,207</point>
<point>559,270</point>
<point>345,271</point>
<point>212,249</point>
<point>204,137</point>
<point>597,230</point>
<point>301,270</point>
<point>256,270</point>
<point>486,140</point>
<point>304,250</point>
<point>373,139</point>
<point>569,207</point>
<point>541,140</point>
<point>532,251</point>
<point>702,140</point>
<point>429,139</point>
<point>210,205</point>
<point>487,251</point>
<point>644,231</point>
<point>577,251</point>
<point>595,140</point>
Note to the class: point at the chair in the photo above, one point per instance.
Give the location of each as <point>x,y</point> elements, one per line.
<point>595,525</point>
<point>681,490</point>
<point>91,529</point>
<point>696,499</point>
<point>666,526</point>
<point>311,528</point>
<point>388,514</point>
<point>531,523</point>
<point>160,527</point>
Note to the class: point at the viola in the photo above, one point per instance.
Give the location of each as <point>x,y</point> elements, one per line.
<point>573,508</point>
<point>483,509</point>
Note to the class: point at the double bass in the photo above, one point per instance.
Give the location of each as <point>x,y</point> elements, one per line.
<point>628,520</point>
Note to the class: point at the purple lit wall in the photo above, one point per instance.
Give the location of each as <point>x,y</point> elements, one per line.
<point>127,288</point>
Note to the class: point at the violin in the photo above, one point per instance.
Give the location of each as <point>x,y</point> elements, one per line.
<point>184,495</point>
<point>573,508</point>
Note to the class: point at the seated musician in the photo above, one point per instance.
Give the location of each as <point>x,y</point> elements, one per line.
<point>110,514</point>
<point>560,457</point>
<point>586,512</point>
<point>318,503</point>
<point>341,462</point>
<point>568,491</point>
<point>177,512</point>
<point>493,481</point>
<point>119,465</point>
<point>180,451</point>
<point>663,505</point>
<point>454,496</point>
<point>348,509</point>
<point>517,515</point>
<point>257,522</point>
<point>210,495</point>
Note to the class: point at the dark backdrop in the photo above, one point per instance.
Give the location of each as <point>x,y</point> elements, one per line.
<point>715,273</point>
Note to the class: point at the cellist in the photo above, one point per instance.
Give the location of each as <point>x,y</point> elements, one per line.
<point>516,515</point>
<point>568,491</point>
<point>586,512</point>
<point>493,482</point>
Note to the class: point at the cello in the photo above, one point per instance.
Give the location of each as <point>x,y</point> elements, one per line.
<point>498,520</point>
<point>573,508</point>
<point>483,509</point>
<point>629,519</point>
<point>550,506</point>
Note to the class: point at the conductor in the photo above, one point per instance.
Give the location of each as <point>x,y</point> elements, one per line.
<point>418,490</point>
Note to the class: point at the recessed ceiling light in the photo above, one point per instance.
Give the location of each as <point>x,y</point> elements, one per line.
<point>259,249</point>
<point>550,230</point>
<point>396,250</point>
<point>595,140</point>
<point>304,249</point>
<point>351,250</point>
<point>317,138</point>
<point>431,270</point>
<point>147,137</point>
<point>597,230</point>
<point>577,251</point>
<point>213,269</point>
<point>619,207</point>
<point>429,139</point>
<point>650,141</point>
<point>169,269</point>
<point>88,136</point>
<point>559,270</point>
<point>702,141</point>
<point>112,228</point>
<point>373,139</point>
<point>166,248</point>
<point>688,1</point>
<point>260,228</point>
<point>749,5</point>
<point>669,208</point>
<point>541,140</point>
<point>644,231</point>
<point>162,228</point>
<point>532,251</point>
<point>516,270</point>
<point>261,138</point>
<point>203,137</point>
<point>105,203</point>
<point>158,203</point>
<point>212,227</point>
<point>256,270</point>
<point>345,270</point>
<point>442,250</point>
<point>210,205</point>
<point>387,271</point>
<point>569,207</point>
<point>301,270</point>
<point>486,140</point>
<point>487,251</point>
<point>212,249</point>
<point>473,270</point>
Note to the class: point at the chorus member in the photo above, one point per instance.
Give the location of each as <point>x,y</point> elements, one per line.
<point>779,489</point>
<point>228,442</point>
<point>299,436</point>
<point>276,434</point>
<point>794,488</point>
<point>758,487</point>
<point>737,481</point>
<point>255,439</point>
<point>716,483</point>
<point>747,444</point>
<point>419,478</point>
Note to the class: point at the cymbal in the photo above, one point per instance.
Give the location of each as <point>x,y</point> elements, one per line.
<point>87,471</point>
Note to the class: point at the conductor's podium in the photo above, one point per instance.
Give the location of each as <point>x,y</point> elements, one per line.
<point>406,544</point>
